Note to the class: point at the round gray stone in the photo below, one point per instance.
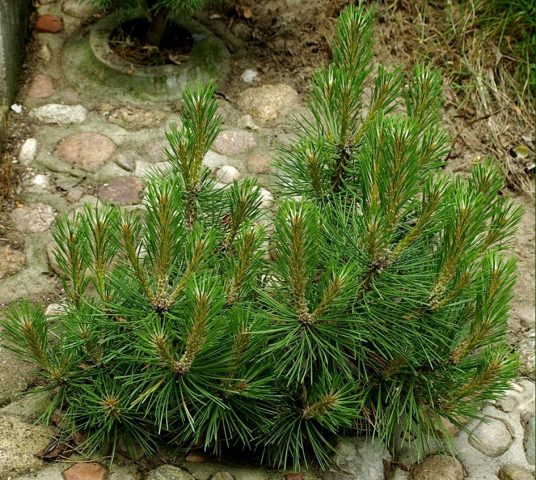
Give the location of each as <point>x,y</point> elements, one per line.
<point>34,218</point>
<point>169,472</point>
<point>510,471</point>
<point>438,467</point>
<point>227,174</point>
<point>28,151</point>
<point>492,438</point>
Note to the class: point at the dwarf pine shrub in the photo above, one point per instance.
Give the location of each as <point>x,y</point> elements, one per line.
<point>377,296</point>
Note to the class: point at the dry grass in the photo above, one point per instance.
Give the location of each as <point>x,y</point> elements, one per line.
<point>486,70</point>
<point>6,179</point>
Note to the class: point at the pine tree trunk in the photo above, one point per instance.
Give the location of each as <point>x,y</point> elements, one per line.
<point>157,27</point>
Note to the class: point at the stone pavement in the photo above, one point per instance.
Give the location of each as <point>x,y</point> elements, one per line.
<point>85,150</point>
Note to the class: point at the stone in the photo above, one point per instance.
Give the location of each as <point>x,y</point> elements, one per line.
<point>49,24</point>
<point>526,317</point>
<point>44,53</point>
<point>40,182</point>
<point>121,191</point>
<point>293,476</point>
<point>135,118</point>
<point>527,355</point>
<point>123,472</point>
<point>30,406</point>
<point>168,472</point>
<point>88,150</point>
<point>51,258</point>
<point>519,398</point>
<point>78,8</point>
<point>126,162</point>
<point>28,151</point>
<point>21,444</point>
<point>268,102</point>
<point>358,458</point>
<point>195,458</point>
<point>42,87</point>
<point>510,471</point>
<point>12,261</point>
<point>59,114</point>
<point>146,169</point>
<point>54,309</point>
<point>528,443</point>
<point>35,218</point>
<point>86,471</point>
<point>227,174</point>
<point>232,142</point>
<point>221,476</point>
<point>11,385</point>
<point>438,467</point>
<point>75,194</point>
<point>267,199</point>
<point>492,438</point>
<point>258,163</point>
<point>249,75</point>
<point>66,182</point>
<point>214,160</point>
<point>246,121</point>
<point>155,150</point>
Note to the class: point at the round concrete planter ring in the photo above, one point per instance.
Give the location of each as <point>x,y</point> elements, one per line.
<point>92,66</point>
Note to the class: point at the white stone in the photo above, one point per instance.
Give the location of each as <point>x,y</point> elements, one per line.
<point>267,199</point>
<point>20,445</point>
<point>40,181</point>
<point>249,75</point>
<point>268,102</point>
<point>78,8</point>
<point>214,160</point>
<point>16,108</point>
<point>44,53</point>
<point>169,472</point>
<point>492,438</point>
<point>227,174</point>
<point>246,121</point>
<point>479,465</point>
<point>28,151</point>
<point>60,114</point>
<point>55,309</point>
<point>438,467</point>
<point>358,458</point>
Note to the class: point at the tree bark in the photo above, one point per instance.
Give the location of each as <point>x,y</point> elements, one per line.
<point>157,27</point>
